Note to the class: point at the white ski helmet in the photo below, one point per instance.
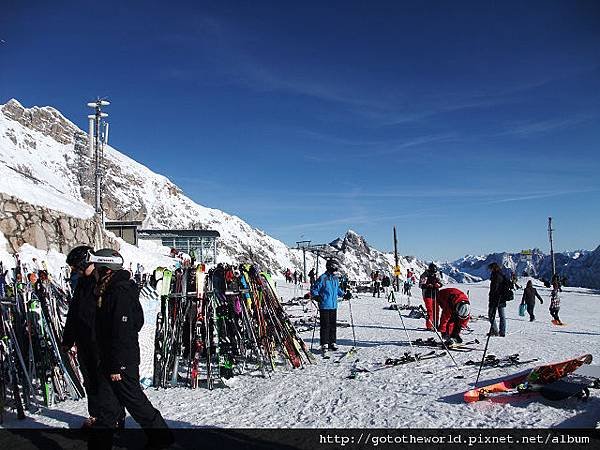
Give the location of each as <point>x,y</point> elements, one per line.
<point>106,257</point>
<point>463,309</point>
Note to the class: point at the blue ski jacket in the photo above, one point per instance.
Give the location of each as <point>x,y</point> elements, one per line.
<point>327,288</point>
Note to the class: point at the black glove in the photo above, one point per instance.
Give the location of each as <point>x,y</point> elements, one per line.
<point>347,295</point>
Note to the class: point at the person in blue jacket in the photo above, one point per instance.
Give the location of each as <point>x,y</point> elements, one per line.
<point>326,290</point>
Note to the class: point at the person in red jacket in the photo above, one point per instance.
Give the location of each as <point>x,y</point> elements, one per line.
<point>455,313</point>
<point>430,283</point>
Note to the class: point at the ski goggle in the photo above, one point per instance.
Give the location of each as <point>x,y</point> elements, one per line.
<point>94,259</point>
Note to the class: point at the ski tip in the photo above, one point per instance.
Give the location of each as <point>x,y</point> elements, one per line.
<point>472,396</point>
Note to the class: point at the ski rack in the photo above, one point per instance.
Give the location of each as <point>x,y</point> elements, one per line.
<point>236,319</point>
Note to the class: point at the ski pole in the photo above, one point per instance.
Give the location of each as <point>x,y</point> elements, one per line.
<point>412,349</point>
<point>312,340</point>
<point>443,343</point>
<point>492,323</point>
<point>352,323</point>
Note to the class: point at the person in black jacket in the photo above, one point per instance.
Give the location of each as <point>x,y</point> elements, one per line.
<point>529,295</point>
<point>119,318</point>
<point>495,301</point>
<point>80,331</point>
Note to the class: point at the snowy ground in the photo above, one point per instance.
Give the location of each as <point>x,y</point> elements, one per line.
<point>424,395</point>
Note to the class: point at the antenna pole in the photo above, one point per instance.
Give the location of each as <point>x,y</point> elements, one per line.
<point>97,143</point>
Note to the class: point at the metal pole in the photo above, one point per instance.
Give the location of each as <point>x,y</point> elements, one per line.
<point>304,256</point>
<point>91,136</point>
<point>551,246</point>
<point>396,259</point>
<point>97,153</point>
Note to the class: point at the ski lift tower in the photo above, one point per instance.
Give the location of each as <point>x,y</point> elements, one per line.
<point>303,245</point>
<point>98,138</point>
<point>318,250</point>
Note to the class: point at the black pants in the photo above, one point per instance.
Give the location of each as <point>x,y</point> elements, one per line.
<point>127,393</point>
<point>88,362</point>
<point>530,307</point>
<point>98,391</point>
<point>554,313</point>
<point>376,289</point>
<point>328,324</point>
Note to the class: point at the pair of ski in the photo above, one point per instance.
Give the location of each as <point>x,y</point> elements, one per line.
<point>538,380</point>
<point>407,358</point>
<point>495,362</point>
<point>348,353</point>
<point>458,347</point>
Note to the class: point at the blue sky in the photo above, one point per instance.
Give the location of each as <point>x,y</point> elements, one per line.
<point>465,124</point>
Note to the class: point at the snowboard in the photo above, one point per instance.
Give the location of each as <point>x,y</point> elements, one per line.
<point>576,384</point>
<point>545,374</point>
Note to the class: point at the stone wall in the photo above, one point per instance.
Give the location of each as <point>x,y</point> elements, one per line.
<point>44,228</point>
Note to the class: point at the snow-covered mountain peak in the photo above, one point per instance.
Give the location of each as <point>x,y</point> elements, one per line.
<point>352,240</point>
<point>46,120</point>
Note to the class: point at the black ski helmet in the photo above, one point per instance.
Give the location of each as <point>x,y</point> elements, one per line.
<point>332,265</point>
<point>106,257</point>
<point>433,267</point>
<point>77,257</point>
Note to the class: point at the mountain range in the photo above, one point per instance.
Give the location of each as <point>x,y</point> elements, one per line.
<point>44,161</point>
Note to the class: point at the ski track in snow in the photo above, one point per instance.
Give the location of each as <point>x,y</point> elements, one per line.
<point>414,395</point>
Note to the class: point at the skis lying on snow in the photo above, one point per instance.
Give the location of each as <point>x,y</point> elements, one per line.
<point>531,381</point>
<point>505,361</point>
<point>432,342</point>
<point>407,358</point>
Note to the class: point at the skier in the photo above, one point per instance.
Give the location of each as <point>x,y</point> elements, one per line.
<point>514,280</point>
<point>409,282</point>
<point>529,295</point>
<point>430,283</point>
<point>311,276</point>
<point>376,284</point>
<point>497,299</point>
<point>455,313</point>
<point>80,331</point>
<point>555,303</point>
<point>119,318</point>
<point>386,282</point>
<point>327,290</point>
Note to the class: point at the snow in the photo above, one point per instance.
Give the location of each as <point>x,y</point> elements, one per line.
<point>32,168</point>
<point>414,395</point>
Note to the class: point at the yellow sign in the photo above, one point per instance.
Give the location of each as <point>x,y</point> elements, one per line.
<point>397,271</point>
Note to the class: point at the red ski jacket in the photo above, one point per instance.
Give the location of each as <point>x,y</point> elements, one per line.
<point>447,299</point>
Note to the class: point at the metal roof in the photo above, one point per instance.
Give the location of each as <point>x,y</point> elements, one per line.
<point>177,233</point>
<point>123,223</point>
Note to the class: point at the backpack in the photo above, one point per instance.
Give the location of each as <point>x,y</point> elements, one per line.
<point>506,290</point>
